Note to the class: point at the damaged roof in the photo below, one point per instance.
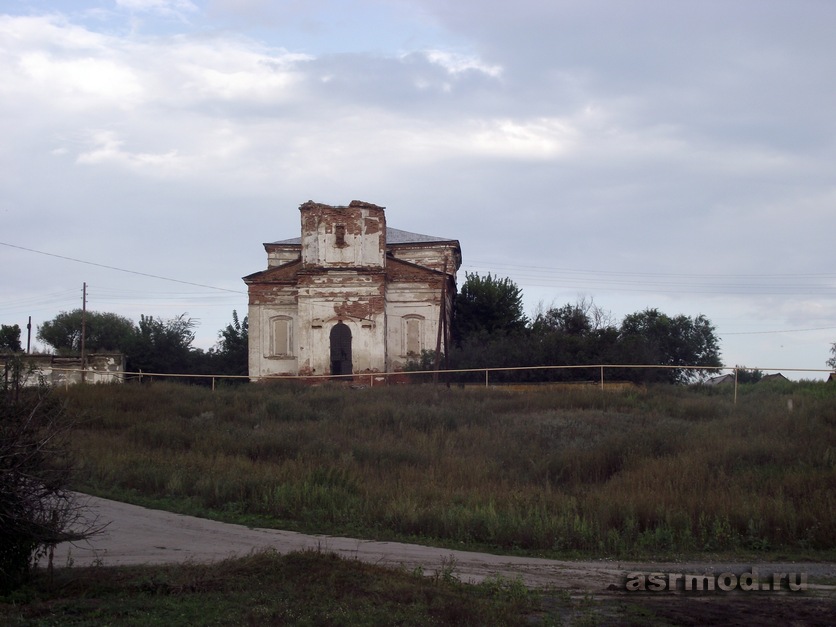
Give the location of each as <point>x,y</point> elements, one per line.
<point>393,236</point>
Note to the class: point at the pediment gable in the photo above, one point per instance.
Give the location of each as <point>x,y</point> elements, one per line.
<point>400,270</point>
<point>280,274</point>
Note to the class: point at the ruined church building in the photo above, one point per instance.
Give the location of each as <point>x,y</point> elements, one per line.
<point>349,296</point>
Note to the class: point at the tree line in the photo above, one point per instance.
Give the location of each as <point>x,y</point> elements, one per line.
<point>153,345</point>
<point>489,330</point>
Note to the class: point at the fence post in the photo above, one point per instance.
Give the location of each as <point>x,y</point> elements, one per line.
<point>735,386</point>
<point>486,377</point>
<point>602,378</point>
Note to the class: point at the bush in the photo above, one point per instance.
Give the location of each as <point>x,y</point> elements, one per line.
<point>37,510</point>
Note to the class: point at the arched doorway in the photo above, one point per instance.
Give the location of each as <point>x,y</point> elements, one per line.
<point>341,349</point>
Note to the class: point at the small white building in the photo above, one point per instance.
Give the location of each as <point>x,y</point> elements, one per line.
<point>61,371</point>
<point>350,295</point>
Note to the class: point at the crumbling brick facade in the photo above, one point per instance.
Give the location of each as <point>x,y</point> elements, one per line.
<point>349,296</point>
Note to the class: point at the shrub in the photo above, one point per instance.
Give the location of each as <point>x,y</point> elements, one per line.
<point>37,510</point>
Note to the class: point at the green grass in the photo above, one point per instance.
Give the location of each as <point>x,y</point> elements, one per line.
<point>568,472</point>
<point>571,472</point>
<point>317,588</point>
<point>307,588</point>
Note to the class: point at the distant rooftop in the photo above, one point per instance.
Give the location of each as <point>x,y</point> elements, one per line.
<point>393,236</point>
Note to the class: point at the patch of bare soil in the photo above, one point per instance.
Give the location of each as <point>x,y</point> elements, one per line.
<point>137,535</point>
<point>730,610</point>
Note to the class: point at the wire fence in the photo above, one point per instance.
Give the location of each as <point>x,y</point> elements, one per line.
<point>602,376</point>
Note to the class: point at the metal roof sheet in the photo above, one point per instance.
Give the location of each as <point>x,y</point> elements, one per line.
<point>393,236</point>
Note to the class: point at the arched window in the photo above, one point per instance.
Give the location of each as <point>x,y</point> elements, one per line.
<point>413,335</point>
<point>281,336</point>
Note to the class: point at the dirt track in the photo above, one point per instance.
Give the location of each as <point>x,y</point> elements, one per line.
<point>137,535</point>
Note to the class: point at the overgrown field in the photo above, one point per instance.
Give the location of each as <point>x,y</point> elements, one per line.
<point>554,472</point>
<point>308,588</point>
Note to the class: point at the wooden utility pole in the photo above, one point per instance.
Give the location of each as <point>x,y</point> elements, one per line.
<point>83,330</point>
<point>441,317</point>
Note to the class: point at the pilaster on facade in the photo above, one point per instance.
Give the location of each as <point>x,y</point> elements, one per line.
<point>348,296</point>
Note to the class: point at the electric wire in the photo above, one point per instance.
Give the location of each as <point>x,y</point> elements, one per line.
<point>779,331</point>
<point>669,282</point>
<point>813,284</point>
<point>102,265</point>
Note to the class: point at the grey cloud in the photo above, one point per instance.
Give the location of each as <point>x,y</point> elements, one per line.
<point>668,138</point>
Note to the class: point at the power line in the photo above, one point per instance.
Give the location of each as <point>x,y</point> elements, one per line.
<point>39,302</point>
<point>101,265</point>
<point>783,331</point>
<point>655,274</point>
<point>674,283</point>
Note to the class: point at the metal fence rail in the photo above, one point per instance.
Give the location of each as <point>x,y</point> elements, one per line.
<point>420,376</point>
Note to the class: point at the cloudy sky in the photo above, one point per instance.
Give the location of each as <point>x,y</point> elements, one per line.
<point>676,155</point>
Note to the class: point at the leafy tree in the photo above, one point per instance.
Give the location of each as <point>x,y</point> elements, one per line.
<point>744,375</point>
<point>103,332</point>
<point>651,337</point>
<point>568,320</point>
<point>489,320</point>
<point>63,333</point>
<point>37,508</point>
<point>574,334</point>
<point>487,305</point>
<point>500,350</point>
<point>832,361</point>
<point>231,354</point>
<point>163,346</point>
<point>579,318</point>
<point>10,338</point>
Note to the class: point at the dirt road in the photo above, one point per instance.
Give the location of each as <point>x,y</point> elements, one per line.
<point>137,535</point>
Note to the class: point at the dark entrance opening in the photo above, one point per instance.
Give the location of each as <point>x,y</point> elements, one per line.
<point>341,349</point>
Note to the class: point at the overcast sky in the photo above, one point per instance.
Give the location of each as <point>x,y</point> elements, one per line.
<point>676,155</point>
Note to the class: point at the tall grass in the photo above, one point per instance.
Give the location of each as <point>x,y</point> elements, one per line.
<point>618,473</point>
